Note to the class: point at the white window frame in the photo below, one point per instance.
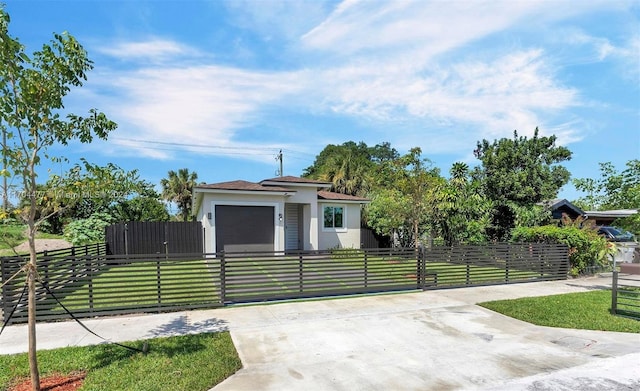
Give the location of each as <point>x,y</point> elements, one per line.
<point>344,218</point>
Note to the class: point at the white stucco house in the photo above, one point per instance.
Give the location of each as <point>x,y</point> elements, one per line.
<point>278,214</point>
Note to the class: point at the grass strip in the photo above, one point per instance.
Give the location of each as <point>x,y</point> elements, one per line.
<point>189,362</point>
<point>583,310</point>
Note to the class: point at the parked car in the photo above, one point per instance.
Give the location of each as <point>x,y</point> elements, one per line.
<point>615,234</point>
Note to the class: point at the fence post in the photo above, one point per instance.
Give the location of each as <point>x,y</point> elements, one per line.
<point>420,268</point>
<point>89,271</point>
<point>614,293</point>
<point>223,278</point>
<point>159,289</point>
<point>74,262</point>
<point>366,270</point>
<point>5,273</point>
<point>45,264</point>
<point>506,263</point>
<point>468,272</point>
<point>300,272</point>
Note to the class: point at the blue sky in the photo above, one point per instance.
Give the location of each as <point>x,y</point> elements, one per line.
<point>220,87</point>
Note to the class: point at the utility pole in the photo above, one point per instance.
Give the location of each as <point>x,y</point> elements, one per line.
<point>279,159</point>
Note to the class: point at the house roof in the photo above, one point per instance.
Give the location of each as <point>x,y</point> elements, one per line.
<point>242,186</point>
<point>612,213</point>
<point>558,203</point>
<point>328,195</point>
<point>270,185</point>
<point>297,180</point>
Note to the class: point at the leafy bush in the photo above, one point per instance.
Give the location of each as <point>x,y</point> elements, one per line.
<point>586,248</point>
<point>89,230</point>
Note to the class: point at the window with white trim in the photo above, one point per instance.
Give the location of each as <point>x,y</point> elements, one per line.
<point>334,217</point>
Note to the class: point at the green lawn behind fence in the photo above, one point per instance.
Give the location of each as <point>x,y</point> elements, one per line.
<point>140,284</point>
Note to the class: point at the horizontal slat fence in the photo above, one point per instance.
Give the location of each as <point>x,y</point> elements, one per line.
<point>92,285</point>
<point>625,295</point>
<point>500,263</point>
<point>269,276</point>
<point>97,284</point>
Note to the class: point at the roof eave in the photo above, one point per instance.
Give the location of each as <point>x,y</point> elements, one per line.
<point>251,192</point>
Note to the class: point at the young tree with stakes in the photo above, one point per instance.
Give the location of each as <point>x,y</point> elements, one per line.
<point>32,89</point>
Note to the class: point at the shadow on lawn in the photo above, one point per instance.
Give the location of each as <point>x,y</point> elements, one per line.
<point>200,333</point>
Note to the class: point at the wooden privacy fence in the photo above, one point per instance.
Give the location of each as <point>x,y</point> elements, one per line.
<point>98,284</point>
<point>151,237</point>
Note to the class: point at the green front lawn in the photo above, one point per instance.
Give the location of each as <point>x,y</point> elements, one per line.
<point>190,362</point>
<point>584,310</point>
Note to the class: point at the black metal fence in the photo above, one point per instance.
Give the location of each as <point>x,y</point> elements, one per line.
<point>625,295</point>
<point>148,237</point>
<point>98,284</point>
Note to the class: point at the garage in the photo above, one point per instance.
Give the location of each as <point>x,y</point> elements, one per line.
<point>244,228</point>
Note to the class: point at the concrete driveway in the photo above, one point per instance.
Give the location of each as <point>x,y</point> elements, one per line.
<point>434,340</point>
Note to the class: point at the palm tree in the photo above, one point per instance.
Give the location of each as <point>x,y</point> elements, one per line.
<point>347,173</point>
<point>178,188</point>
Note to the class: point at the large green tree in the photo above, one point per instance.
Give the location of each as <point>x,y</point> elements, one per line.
<point>178,188</point>
<point>403,199</point>
<point>350,167</point>
<point>518,173</point>
<point>32,91</point>
<point>461,212</point>
<point>145,207</point>
<point>86,189</point>
<point>613,190</point>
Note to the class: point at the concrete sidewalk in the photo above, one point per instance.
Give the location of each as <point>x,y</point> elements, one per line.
<point>431,340</point>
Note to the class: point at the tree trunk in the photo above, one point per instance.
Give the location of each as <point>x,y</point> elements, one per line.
<point>31,281</point>
<point>31,278</point>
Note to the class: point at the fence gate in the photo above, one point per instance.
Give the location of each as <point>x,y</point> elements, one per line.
<point>136,237</point>
<point>625,292</point>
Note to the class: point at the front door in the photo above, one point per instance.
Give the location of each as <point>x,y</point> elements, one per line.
<point>292,226</point>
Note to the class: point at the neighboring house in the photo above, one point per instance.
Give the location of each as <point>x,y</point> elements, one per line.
<point>607,217</point>
<point>559,207</point>
<point>279,214</point>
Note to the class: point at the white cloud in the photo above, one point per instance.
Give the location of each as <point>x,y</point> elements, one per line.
<point>202,105</point>
<point>507,93</point>
<point>383,63</point>
<point>278,18</point>
<point>431,27</point>
<point>151,49</point>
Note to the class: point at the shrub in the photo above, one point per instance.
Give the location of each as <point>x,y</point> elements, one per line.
<point>586,248</point>
<point>86,231</point>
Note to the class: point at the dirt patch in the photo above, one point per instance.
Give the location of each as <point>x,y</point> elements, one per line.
<point>43,244</point>
<point>55,382</point>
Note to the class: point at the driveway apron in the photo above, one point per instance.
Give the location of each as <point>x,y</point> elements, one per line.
<point>434,340</point>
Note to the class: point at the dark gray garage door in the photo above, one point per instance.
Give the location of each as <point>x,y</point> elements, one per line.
<point>244,228</point>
